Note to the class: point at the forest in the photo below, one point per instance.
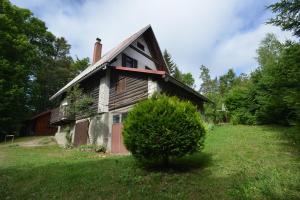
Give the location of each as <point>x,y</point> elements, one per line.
<point>34,64</point>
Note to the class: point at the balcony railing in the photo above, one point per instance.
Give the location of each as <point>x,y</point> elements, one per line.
<point>59,116</point>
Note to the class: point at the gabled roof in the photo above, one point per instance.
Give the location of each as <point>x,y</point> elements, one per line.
<point>110,55</point>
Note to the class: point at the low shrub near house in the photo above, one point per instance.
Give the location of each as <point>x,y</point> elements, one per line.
<point>93,148</point>
<point>163,127</point>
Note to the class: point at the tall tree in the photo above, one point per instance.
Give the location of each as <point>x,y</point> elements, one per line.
<point>170,63</point>
<point>208,85</point>
<point>33,65</point>
<point>226,82</point>
<point>186,78</point>
<point>288,15</point>
<point>24,42</point>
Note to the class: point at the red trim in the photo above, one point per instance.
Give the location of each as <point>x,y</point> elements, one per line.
<point>146,71</point>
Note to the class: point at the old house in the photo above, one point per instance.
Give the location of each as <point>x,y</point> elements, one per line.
<point>127,74</point>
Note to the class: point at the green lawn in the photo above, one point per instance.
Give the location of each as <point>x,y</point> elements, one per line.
<point>238,162</point>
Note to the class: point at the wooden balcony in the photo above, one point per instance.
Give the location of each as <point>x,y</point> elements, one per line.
<point>59,116</point>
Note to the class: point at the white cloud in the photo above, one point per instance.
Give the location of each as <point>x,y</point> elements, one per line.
<point>219,34</point>
<point>239,52</point>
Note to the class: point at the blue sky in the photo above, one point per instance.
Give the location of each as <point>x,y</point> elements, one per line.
<point>220,34</point>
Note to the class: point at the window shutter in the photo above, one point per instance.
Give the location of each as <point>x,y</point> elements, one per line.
<point>121,85</point>
<point>123,60</point>
<point>134,63</point>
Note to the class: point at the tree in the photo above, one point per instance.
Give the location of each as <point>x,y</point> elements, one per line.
<point>24,42</point>
<point>288,17</point>
<point>163,127</point>
<point>208,86</point>
<point>271,93</point>
<point>34,64</point>
<point>226,82</point>
<point>186,78</point>
<point>170,63</point>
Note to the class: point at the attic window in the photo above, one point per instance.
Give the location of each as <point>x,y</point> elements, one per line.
<point>128,61</point>
<point>140,46</point>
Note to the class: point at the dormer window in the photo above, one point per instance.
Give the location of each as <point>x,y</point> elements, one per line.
<point>140,46</point>
<point>128,61</point>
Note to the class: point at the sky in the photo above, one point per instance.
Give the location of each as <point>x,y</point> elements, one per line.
<point>220,34</point>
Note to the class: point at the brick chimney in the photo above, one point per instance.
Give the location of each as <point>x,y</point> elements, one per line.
<point>97,50</point>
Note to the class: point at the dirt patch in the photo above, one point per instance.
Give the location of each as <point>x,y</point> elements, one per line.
<point>37,142</point>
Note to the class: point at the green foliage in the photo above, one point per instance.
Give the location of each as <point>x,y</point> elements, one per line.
<point>23,41</point>
<point>186,78</point>
<point>34,64</point>
<point>239,104</point>
<point>170,63</point>
<point>93,148</point>
<point>163,127</point>
<point>271,95</point>
<point>79,104</point>
<point>287,15</point>
<point>215,89</point>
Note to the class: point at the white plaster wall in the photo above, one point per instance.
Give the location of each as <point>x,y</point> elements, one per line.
<point>143,42</point>
<point>104,93</point>
<point>152,87</point>
<point>60,135</point>
<point>99,130</point>
<point>141,59</point>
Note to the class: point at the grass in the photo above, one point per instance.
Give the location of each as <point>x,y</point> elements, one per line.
<point>238,162</point>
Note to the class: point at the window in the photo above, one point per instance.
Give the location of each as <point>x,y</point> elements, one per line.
<point>128,61</point>
<point>121,85</point>
<point>140,46</point>
<point>119,118</point>
<point>116,119</point>
<point>124,116</point>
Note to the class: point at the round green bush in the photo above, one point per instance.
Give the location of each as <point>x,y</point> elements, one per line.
<point>163,127</point>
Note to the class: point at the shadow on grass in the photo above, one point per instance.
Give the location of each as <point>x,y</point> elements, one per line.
<point>188,163</point>
<point>288,135</point>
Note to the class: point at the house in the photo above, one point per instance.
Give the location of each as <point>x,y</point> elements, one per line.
<point>127,74</point>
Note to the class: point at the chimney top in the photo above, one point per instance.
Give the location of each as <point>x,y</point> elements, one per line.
<point>97,50</point>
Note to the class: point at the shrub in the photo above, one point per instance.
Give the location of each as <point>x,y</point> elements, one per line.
<point>163,127</point>
<point>93,148</point>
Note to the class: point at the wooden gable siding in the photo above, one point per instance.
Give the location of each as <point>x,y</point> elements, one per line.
<point>174,90</point>
<point>90,86</point>
<point>134,90</point>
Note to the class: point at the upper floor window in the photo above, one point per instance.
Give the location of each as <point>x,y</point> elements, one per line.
<point>128,61</point>
<point>140,46</point>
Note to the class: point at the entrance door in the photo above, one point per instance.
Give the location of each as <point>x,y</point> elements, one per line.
<point>81,133</point>
<point>117,144</point>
